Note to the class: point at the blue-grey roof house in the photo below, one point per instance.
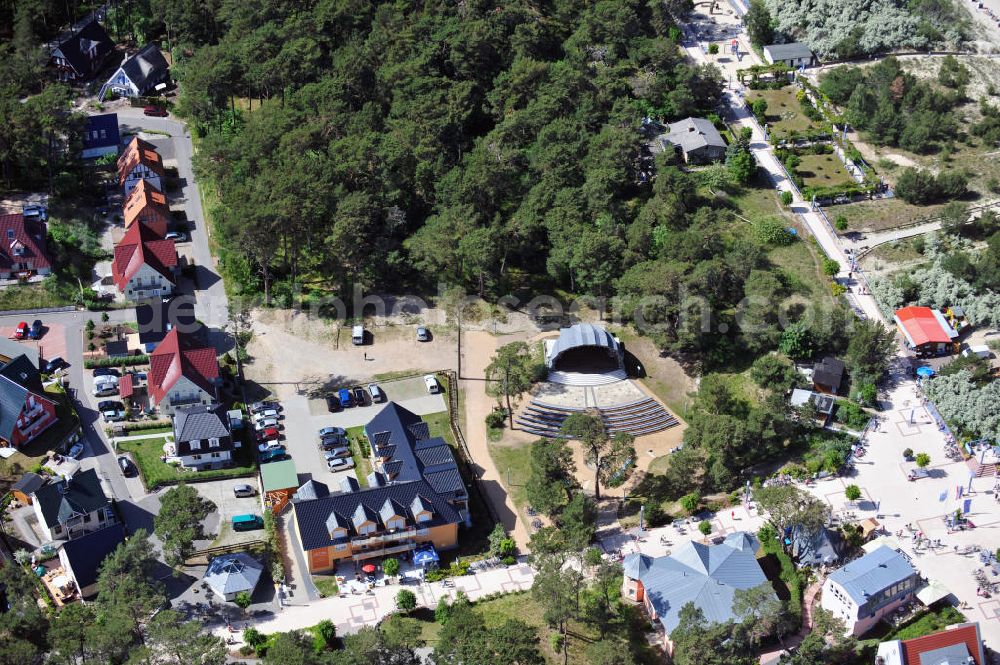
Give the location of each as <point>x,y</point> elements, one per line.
<point>706,575</point>
<point>869,588</point>
<point>101,136</point>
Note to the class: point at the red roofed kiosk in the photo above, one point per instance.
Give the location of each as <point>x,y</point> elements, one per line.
<point>927,332</point>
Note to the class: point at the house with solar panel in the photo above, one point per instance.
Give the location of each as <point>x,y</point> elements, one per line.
<point>705,575</point>
<point>414,501</point>
<point>870,588</point>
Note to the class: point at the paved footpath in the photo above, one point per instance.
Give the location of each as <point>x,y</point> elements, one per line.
<point>352,611</point>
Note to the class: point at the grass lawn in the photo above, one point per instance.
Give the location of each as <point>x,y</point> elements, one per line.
<point>784,114</point>
<point>758,200</point>
<point>800,267</point>
<point>523,607</point>
<point>659,465</point>
<point>326,584</point>
<point>147,452</point>
<point>822,171</point>
<point>900,251</point>
<point>514,462</point>
<point>33,296</point>
<point>925,624</point>
<point>881,214</point>
<point>359,446</point>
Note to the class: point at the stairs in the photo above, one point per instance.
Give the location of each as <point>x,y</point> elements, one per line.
<point>643,416</point>
<point>587,379</point>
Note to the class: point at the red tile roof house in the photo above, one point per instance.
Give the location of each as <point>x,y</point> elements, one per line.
<point>148,205</point>
<point>22,247</point>
<point>140,161</point>
<point>145,264</point>
<point>182,370</point>
<point>25,412</point>
<point>927,332</point>
<point>960,644</point>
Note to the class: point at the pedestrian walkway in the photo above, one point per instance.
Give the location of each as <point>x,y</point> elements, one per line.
<point>350,612</point>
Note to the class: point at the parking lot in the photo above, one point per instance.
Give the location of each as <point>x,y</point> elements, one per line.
<point>304,417</point>
<point>220,492</point>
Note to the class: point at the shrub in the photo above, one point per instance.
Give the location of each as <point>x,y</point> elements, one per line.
<point>390,567</point>
<point>496,419</point>
<point>655,515</point>
<point>124,361</point>
<point>908,453</point>
<point>323,636</point>
<point>852,492</point>
<point>786,198</point>
<point>831,267</point>
<point>705,527</point>
<point>923,459</point>
<point>689,502</point>
<point>508,561</point>
<point>841,223</point>
<point>443,610</point>
<point>713,49</point>
<point>772,231</point>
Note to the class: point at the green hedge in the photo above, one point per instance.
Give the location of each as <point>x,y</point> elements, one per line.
<point>139,427</point>
<point>124,361</point>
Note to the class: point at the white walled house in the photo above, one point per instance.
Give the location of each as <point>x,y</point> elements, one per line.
<point>182,371</point>
<point>140,161</point>
<point>71,508</point>
<point>201,437</point>
<point>870,588</point>
<point>144,265</point>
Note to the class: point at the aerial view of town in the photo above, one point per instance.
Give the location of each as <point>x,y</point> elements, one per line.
<point>500,332</point>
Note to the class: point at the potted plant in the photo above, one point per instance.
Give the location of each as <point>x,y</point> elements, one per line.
<point>908,454</point>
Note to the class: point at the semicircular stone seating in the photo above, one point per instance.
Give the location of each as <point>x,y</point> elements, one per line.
<point>643,416</point>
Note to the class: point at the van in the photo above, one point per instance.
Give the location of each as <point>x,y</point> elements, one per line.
<point>432,384</point>
<point>358,335</point>
<point>247,522</point>
<point>982,351</point>
<point>376,393</point>
<point>243,490</point>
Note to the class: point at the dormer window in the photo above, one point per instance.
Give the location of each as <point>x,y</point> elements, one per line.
<point>10,234</point>
<point>423,517</point>
<point>213,442</point>
<point>195,445</point>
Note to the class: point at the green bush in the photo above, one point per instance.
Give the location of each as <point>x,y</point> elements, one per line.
<point>772,231</point>
<point>713,49</point>
<point>831,267</point>
<point>655,515</point>
<point>786,198</point>
<point>841,223</point>
<point>923,459</point>
<point>124,361</point>
<point>139,427</point>
<point>852,415</point>
<point>508,561</point>
<point>496,418</point>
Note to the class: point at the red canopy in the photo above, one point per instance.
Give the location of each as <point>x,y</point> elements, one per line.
<point>368,568</point>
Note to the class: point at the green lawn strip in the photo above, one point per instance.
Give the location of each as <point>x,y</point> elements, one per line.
<point>35,296</point>
<point>784,113</point>
<point>360,450</point>
<point>881,215</point>
<point>326,584</point>
<point>822,171</point>
<point>147,452</point>
<point>514,463</point>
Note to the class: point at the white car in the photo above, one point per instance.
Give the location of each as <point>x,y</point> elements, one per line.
<point>376,393</point>
<point>433,387</point>
<point>107,385</point>
<point>340,464</point>
<point>266,413</point>
<point>264,423</point>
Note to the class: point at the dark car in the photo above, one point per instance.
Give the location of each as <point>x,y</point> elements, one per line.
<point>332,403</point>
<point>55,365</point>
<point>36,330</point>
<point>359,396</point>
<point>106,371</point>
<point>128,469</point>
<point>155,111</point>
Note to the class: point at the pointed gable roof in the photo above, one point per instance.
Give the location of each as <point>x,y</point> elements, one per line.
<point>139,152</point>
<point>145,197</point>
<point>77,47</point>
<point>22,239</point>
<point>181,354</point>
<point>146,67</point>
<point>81,495</point>
<point>18,379</point>
<point>142,246</point>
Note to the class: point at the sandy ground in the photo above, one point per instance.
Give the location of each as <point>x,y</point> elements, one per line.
<point>477,350</point>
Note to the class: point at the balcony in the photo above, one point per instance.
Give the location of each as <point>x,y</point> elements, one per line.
<point>382,551</point>
<point>381,540</point>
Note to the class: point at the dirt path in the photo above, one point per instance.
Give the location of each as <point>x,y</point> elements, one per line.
<point>478,348</point>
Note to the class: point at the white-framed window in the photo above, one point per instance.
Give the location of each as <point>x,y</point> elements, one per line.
<point>366,529</point>
<point>196,445</point>
<point>196,457</point>
<point>423,517</point>
<point>213,442</point>
<point>340,546</point>
<point>216,455</point>
<point>423,532</point>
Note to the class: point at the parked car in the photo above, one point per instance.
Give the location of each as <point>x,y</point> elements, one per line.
<point>327,431</point>
<point>376,393</point>
<point>125,464</point>
<point>55,365</point>
<point>176,236</point>
<point>266,413</point>
<point>243,490</point>
<point>266,423</point>
<point>112,411</point>
<point>358,335</point>
<point>339,464</point>
<point>157,111</point>
<point>337,453</point>
<point>21,331</point>
<point>432,384</point>
<point>35,332</point>
<point>332,442</point>
<point>247,522</point>
<point>106,371</point>
<point>346,400</point>
<point>332,403</point>
<point>272,454</point>
<point>359,396</point>
<point>269,445</point>
<point>106,385</point>
<point>76,451</point>
<point>261,406</point>
<point>269,434</point>
<point>423,334</point>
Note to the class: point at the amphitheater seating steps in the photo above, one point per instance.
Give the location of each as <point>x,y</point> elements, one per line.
<point>644,416</point>
<point>587,379</point>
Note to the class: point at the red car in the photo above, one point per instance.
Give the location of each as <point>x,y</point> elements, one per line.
<point>22,330</point>
<point>269,434</point>
<point>155,110</point>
